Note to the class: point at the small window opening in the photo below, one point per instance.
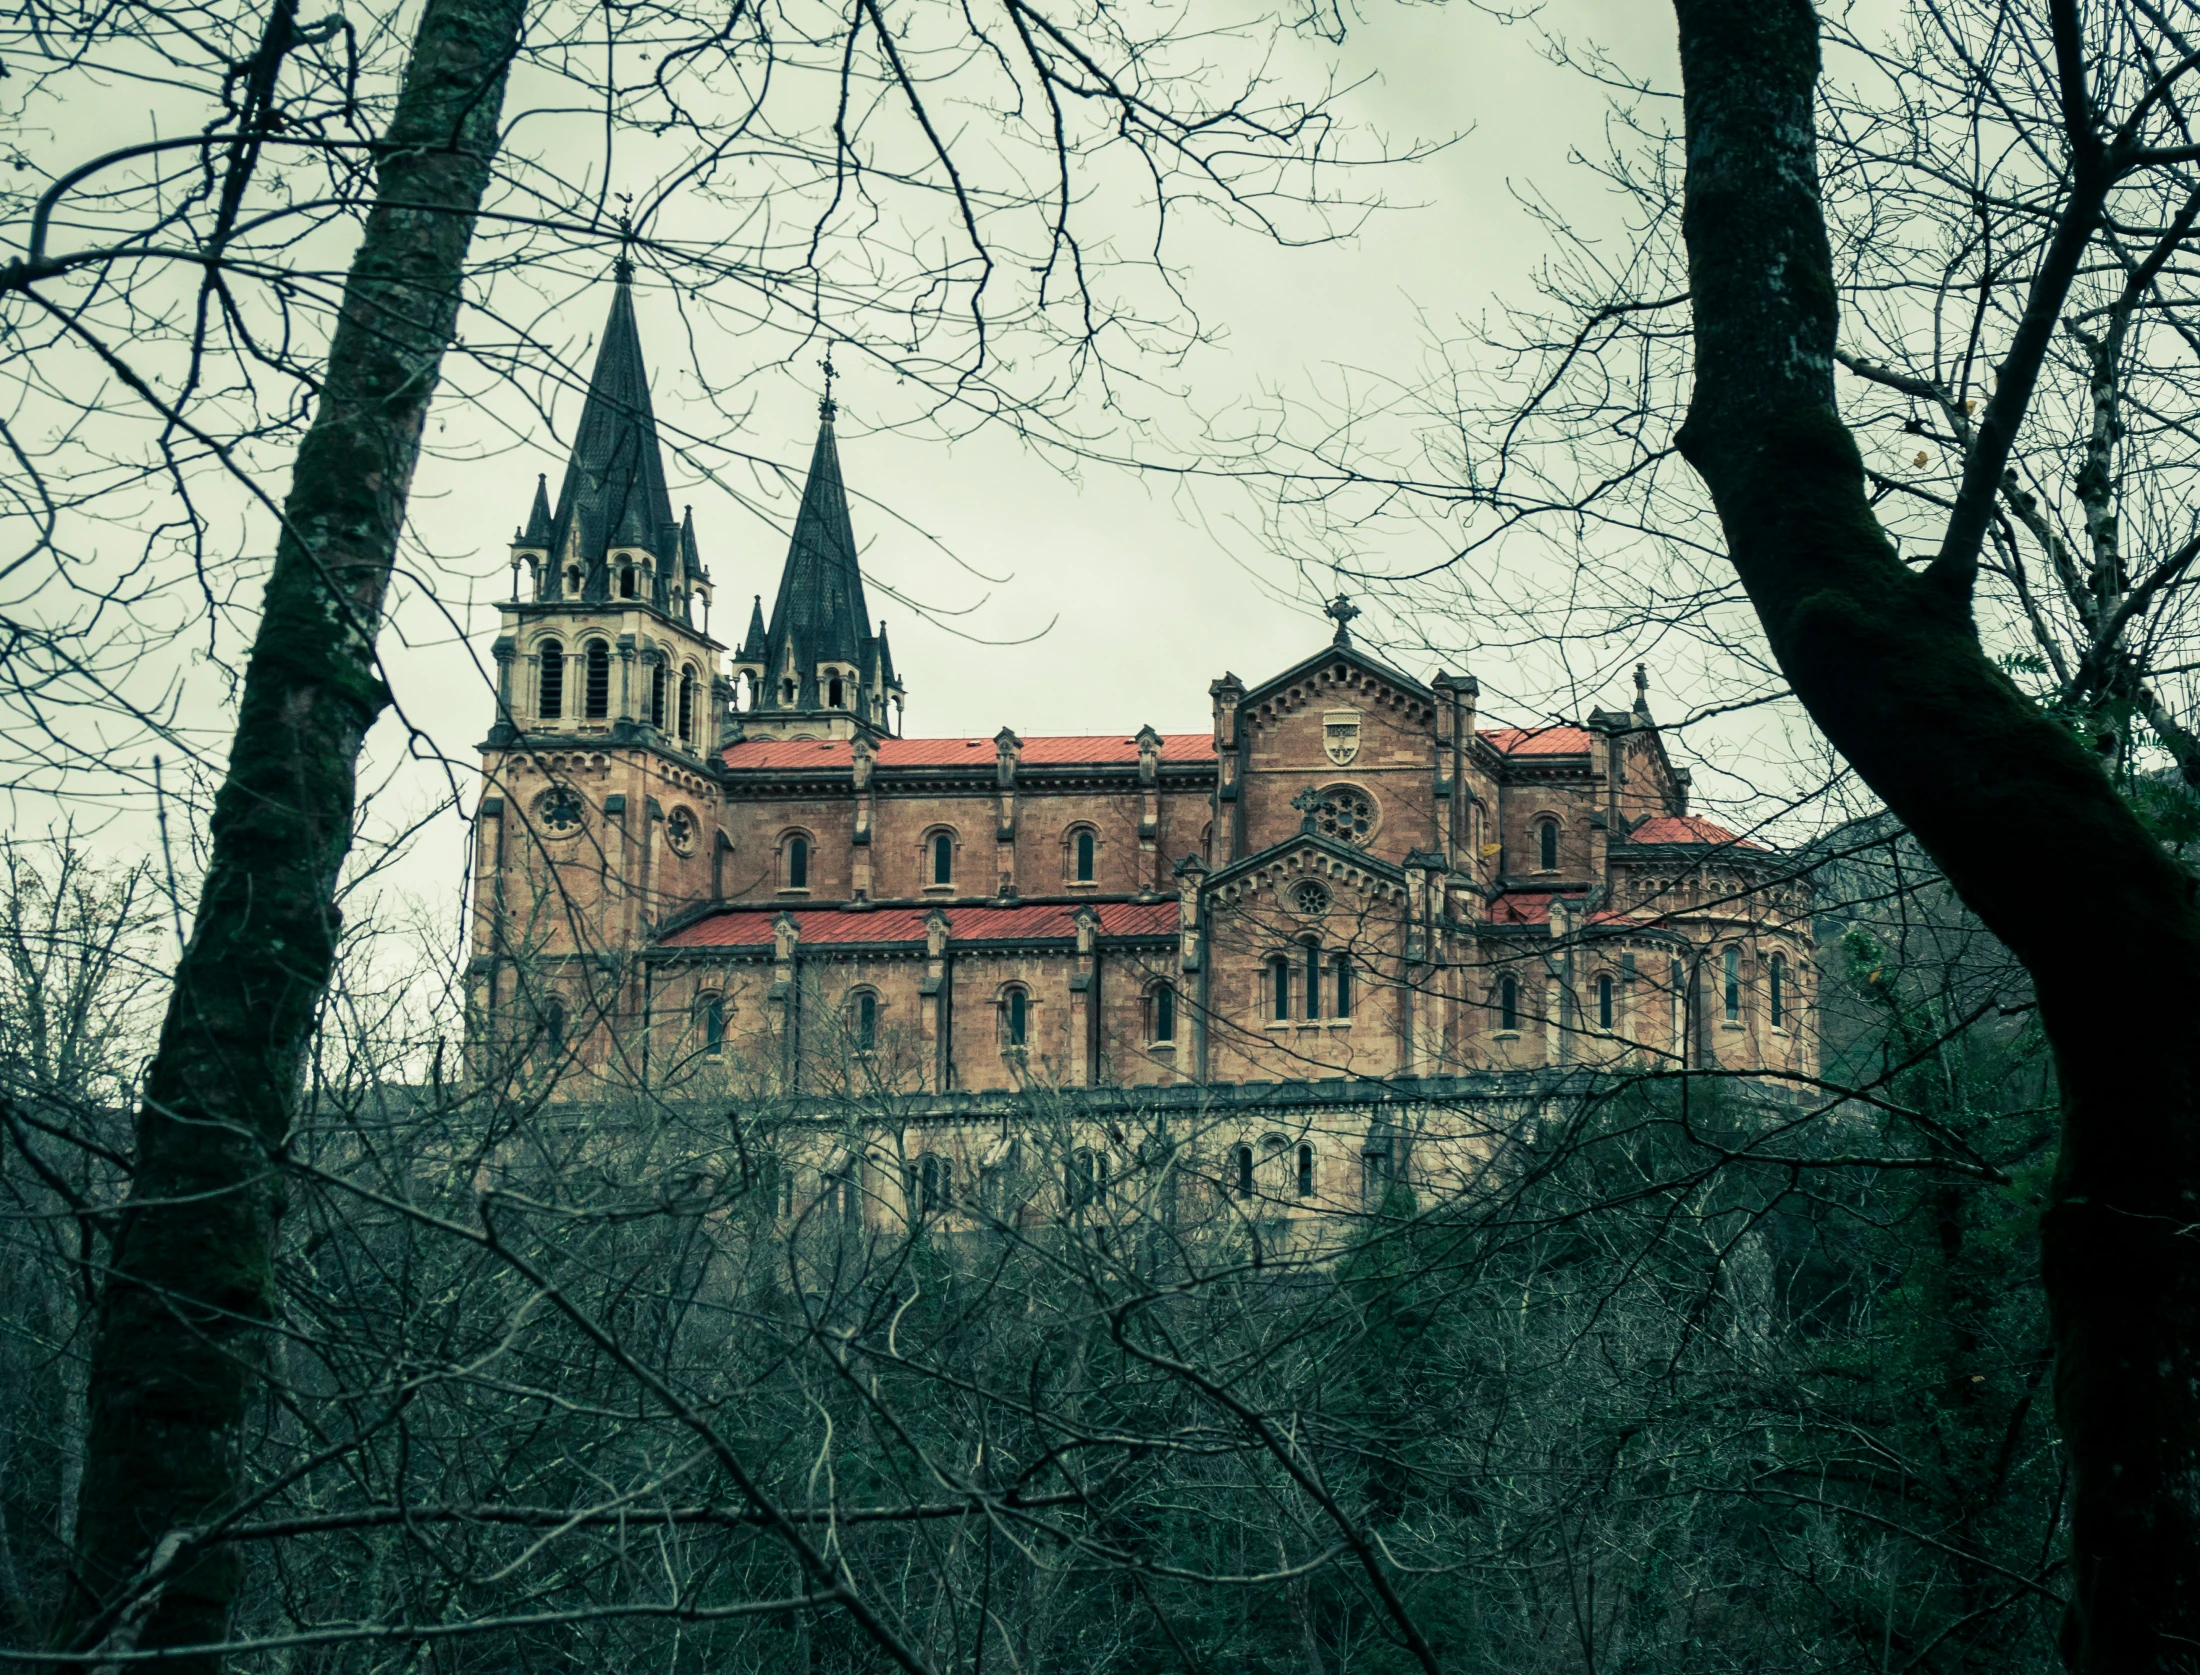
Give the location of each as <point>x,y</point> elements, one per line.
<point>1088,1178</point>
<point>1306,1171</point>
<point>550,701</point>
<point>798,863</point>
<point>833,695</point>
<point>687,705</point>
<point>1019,1017</point>
<point>1546,837</point>
<point>626,582</point>
<point>1084,857</point>
<point>1313,982</point>
<point>943,859</point>
<point>1340,987</point>
<point>553,1027</point>
<point>1279,980</point>
<point>866,1022</point>
<point>657,696</point>
<point>713,1008</point>
<point>598,697</point>
<point>1604,1003</point>
<point>1241,1171</point>
<point>1776,991</point>
<point>573,580</point>
<point>1508,1003</point>
<point>1732,984</point>
<point>786,692</point>
<point>935,1183</point>
<point>1164,1013</point>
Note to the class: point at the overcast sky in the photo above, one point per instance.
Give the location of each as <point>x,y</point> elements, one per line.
<point>1017,595</point>
<point>1120,596</point>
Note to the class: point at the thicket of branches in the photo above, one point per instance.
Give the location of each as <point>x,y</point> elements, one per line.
<point>1695,1374</point>
<point>1693,1381</point>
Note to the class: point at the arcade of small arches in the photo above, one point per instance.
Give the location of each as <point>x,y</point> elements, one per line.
<point>580,679</point>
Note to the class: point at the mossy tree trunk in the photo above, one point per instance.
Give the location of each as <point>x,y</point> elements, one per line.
<point>1889,664</point>
<point>191,1285</point>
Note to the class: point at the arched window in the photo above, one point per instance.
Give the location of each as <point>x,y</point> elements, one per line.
<point>863,1019</point>
<point>943,858</point>
<point>572,581</point>
<point>1085,846</point>
<point>1088,1178</point>
<point>1776,992</point>
<point>657,696</point>
<point>1376,1158</point>
<point>598,696</point>
<point>1279,989</point>
<point>935,1183</point>
<point>1016,1020</point>
<point>1241,1171</point>
<point>1604,1002</point>
<point>1546,845</point>
<point>710,1019</point>
<point>626,581</point>
<point>1164,1014</point>
<point>550,683</point>
<point>1731,983</point>
<point>843,1195</point>
<point>786,692</point>
<point>1306,1171</point>
<point>1313,981</point>
<point>1340,987</point>
<point>1508,1003</point>
<point>687,706</point>
<point>834,697</point>
<point>798,862</point>
<point>553,1027</point>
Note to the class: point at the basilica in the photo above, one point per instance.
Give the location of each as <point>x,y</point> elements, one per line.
<point>1353,906</point>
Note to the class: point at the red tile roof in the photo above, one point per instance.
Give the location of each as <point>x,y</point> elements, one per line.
<point>1686,828</point>
<point>1555,740</point>
<point>1046,752</point>
<point>751,927</point>
<point>1526,907</point>
<point>1533,907</point>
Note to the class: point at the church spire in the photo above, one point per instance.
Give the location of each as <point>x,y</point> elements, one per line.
<point>614,484</point>
<point>820,613</point>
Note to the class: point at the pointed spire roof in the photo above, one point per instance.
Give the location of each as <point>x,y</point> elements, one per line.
<point>820,608</point>
<point>886,676</point>
<point>537,532</point>
<point>691,559</point>
<point>754,644</point>
<point>615,480</point>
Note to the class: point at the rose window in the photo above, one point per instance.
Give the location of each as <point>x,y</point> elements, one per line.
<point>1310,897</point>
<point>680,831</point>
<point>1345,814</point>
<point>559,811</point>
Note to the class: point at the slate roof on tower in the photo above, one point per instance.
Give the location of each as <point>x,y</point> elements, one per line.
<point>614,488</point>
<point>820,615</point>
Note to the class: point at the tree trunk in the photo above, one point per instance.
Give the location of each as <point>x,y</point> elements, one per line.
<point>1889,665</point>
<point>192,1283</point>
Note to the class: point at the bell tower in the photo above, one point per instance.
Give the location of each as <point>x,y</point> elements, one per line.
<point>601,809</point>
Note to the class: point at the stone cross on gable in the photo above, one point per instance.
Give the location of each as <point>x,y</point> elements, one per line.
<point>1341,610</point>
<point>1308,802</point>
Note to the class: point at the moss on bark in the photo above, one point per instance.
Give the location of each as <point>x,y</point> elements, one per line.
<point>1889,664</point>
<point>192,1283</point>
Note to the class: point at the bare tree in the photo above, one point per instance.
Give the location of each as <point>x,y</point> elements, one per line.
<point>1970,563</point>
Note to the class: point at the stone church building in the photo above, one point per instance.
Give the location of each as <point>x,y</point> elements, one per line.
<point>1352,909</point>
